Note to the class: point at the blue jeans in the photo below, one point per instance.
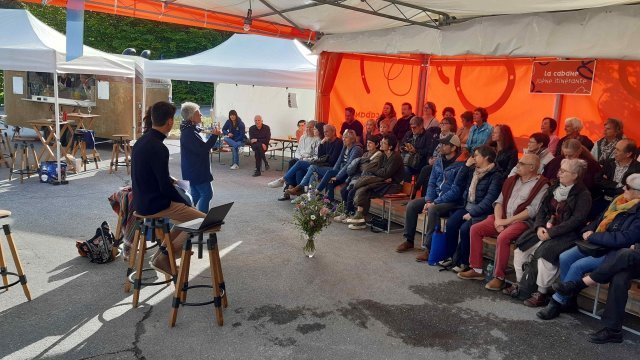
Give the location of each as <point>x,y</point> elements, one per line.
<point>330,186</point>
<point>320,170</point>
<point>296,172</point>
<point>201,195</point>
<point>573,265</point>
<point>457,225</point>
<point>235,145</point>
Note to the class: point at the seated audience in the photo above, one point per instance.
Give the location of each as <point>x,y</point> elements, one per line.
<point>442,197</point>
<point>537,145</point>
<point>259,137</point>
<point>234,135</point>
<point>387,179</point>
<point>448,126</point>
<point>618,269</point>
<point>481,181</point>
<point>307,150</point>
<point>362,166</point>
<point>194,156</point>
<point>430,112</point>
<point>300,130</point>
<point>154,193</point>
<point>573,126</point>
<point>603,148</point>
<point>481,131</point>
<point>517,204</point>
<point>573,149</point>
<point>385,130</point>
<point>328,153</point>
<point>563,213</point>
<point>416,143</point>
<point>402,126</point>
<point>351,151</point>
<point>351,123</point>
<point>614,173</point>
<point>371,129</point>
<point>463,132</point>
<point>549,127</point>
<point>449,112</point>
<point>388,117</point>
<point>617,228</point>
<point>502,141</point>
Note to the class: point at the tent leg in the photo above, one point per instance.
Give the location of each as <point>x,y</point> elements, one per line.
<point>56,112</point>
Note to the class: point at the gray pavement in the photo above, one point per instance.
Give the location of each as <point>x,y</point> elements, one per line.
<point>357,299</point>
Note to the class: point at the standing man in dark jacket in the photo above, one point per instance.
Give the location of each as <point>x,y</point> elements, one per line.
<point>194,156</point>
<point>351,123</point>
<point>259,137</point>
<point>153,191</point>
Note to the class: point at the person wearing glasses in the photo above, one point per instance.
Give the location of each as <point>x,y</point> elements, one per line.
<point>562,214</point>
<point>518,203</point>
<point>616,170</point>
<point>616,228</point>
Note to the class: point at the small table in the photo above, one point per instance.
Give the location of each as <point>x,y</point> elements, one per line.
<point>50,124</point>
<point>287,144</point>
<point>81,118</point>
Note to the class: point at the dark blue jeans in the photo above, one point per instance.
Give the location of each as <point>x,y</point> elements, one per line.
<point>296,172</point>
<point>458,227</point>
<point>201,195</point>
<point>573,265</point>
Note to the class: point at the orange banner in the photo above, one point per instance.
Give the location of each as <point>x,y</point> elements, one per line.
<point>573,77</point>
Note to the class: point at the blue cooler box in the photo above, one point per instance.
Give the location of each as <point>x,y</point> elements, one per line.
<point>48,171</point>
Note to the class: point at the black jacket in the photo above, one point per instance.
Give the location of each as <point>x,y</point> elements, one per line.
<point>621,233</point>
<point>506,160</point>
<point>153,190</point>
<point>605,180</point>
<point>425,144</point>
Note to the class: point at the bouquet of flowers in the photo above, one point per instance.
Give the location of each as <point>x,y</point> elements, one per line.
<point>312,214</point>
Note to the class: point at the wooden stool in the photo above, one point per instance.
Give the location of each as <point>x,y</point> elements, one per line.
<point>24,150</point>
<point>22,279</point>
<point>121,142</point>
<point>6,151</point>
<point>157,226</point>
<point>81,144</point>
<point>217,279</point>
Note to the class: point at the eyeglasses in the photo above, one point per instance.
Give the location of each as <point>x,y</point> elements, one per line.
<point>520,163</point>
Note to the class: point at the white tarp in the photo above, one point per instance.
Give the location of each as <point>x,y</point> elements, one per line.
<point>270,102</point>
<point>598,33</point>
<point>244,59</point>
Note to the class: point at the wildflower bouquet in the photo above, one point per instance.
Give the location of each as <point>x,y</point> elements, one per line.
<point>311,215</point>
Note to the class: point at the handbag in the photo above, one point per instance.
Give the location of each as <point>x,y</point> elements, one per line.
<point>439,247</point>
<point>413,160</point>
<point>591,249</point>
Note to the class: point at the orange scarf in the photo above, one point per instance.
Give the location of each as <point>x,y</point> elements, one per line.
<point>618,205</point>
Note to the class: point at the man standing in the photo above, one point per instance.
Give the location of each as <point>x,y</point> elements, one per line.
<point>402,126</point>
<point>518,202</point>
<point>350,123</point>
<point>259,135</point>
<point>154,194</point>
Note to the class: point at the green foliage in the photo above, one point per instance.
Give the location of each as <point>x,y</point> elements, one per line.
<point>113,34</point>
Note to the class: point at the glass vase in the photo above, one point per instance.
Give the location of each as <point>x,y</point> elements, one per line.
<point>309,246</point>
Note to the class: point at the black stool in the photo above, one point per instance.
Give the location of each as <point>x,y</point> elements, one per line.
<point>22,279</point>
<point>217,279</point>
<point>157,226</point>
<point>21,154</point>
<point>80,143</point>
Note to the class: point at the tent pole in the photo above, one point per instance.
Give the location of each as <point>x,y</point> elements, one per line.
<point>557,107</point>
<point>144,95</point>
<point>56,115</point>
<point>133,106</point>
<point>423,80</point>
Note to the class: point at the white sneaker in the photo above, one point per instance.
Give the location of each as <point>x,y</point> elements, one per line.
<point>340,218</point>
<point>234,167</point>
<point>358,226</point>
<point>276,183</point>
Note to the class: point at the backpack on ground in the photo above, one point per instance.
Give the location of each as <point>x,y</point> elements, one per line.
<point>528,284</point>
<point>99,248</point>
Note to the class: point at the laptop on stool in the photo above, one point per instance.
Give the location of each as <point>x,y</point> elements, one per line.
<point>215,217</point>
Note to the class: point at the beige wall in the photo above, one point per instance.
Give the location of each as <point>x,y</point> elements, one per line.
<point>115,113</point>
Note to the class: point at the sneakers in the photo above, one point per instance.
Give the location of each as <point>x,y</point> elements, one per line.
<point>161,264</point>
<point>358,218</point>
<point>404,247</point>
<point>284,197</point>
<point>423,257</point>
<point>537,299</point>
<point>471,275</point>
<point>234,167</point>
<point>276,183</point>
<point>460,268</point>
<point>606,335</point>
<point>360,226</point>
<point>495,284</point>
<point>341,218</point>
<point>446,262</point>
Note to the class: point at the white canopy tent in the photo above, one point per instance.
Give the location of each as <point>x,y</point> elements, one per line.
<point>27,44</point>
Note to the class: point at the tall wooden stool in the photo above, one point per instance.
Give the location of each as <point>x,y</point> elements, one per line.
<point>154,226</point>
<point>5,149</point>
<point>22,279</point>
<point>217,279</point>
<point>21,154</point>
<point>121,143</point>
<point>80,143</point>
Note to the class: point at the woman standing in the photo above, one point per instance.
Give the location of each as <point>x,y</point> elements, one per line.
<point>388,117</point>
<point>502,141</point>
<point>194,155</point>
<point>613,132</point>
<point>234,135</point>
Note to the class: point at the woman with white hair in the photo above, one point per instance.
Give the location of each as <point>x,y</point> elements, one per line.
<point>573,126</point>
<point>194,156</point>
<point>617,228</point>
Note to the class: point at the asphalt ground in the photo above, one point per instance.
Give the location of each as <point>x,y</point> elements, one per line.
<point>357,299</point>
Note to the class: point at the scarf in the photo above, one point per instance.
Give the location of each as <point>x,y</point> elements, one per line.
<point>477,175</point>
<point>188,124</point>
<point>561,193</point>
<point>618,205</point>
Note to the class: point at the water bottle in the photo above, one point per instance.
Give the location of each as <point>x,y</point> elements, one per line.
<point>311,189</point>
<point>488,275</point>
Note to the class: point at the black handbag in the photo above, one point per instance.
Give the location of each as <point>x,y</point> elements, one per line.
<point>591,249</point>
<point>413,160</point>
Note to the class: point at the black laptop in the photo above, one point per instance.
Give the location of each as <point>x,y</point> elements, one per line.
<point>215,217</point>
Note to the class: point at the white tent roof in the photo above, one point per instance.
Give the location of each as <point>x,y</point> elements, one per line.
<point>599,33</point>
<point>26,43</point>
<point>244,59</point>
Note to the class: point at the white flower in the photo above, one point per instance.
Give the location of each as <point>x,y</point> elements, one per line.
<point>313,217</point>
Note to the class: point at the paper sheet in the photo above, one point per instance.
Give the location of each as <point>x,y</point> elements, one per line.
<point>18,85</point>
<point>103,90</point>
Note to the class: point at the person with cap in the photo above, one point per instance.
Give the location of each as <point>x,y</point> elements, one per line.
<point>442,196</point>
